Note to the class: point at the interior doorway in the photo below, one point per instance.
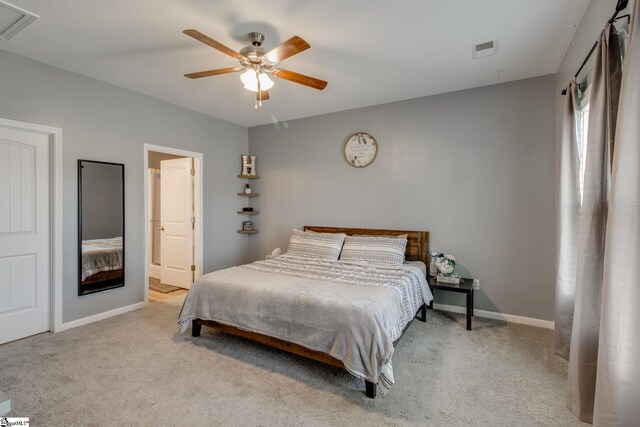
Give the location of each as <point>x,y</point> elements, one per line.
<point>173,212</point>
<point>30,232</point>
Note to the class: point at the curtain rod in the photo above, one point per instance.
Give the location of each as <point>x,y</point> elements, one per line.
<point>621,5</point>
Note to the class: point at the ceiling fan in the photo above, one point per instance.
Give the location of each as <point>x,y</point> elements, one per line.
<point>257,63</point>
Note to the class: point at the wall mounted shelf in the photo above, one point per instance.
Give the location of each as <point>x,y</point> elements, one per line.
<point>248,221</point>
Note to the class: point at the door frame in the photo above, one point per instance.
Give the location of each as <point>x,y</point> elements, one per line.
<point>198,202</point>
<point>55,214</point>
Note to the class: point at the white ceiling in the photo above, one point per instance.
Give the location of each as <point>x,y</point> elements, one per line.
<point>370,51</point>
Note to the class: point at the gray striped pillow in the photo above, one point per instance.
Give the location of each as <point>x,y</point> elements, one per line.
<point>378,250</point>
<point>315,245</point>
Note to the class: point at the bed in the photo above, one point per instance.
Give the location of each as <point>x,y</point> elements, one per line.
<point>346,314</point>
<point>101,261</point>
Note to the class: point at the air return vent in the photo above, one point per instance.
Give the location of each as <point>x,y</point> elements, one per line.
<point>484,49</point>
<point>13,19</point>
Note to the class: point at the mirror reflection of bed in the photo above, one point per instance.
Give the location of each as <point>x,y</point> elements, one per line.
<point>101,226</point>
<point>102,264</point>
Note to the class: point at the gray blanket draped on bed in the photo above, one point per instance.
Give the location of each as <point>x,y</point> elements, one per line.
<point>99,255</point>
<point>353,312</point>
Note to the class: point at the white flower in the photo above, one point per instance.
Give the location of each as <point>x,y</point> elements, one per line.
<point>445,264</point>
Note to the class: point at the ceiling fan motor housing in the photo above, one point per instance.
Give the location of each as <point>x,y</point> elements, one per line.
<point>256,38</point>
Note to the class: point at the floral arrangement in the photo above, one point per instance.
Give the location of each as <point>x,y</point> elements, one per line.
<point>446,264</point>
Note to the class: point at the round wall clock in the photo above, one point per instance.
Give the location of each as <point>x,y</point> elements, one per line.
<point>360,149</point>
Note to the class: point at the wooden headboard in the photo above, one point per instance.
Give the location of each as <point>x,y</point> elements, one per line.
<point>417,241</point>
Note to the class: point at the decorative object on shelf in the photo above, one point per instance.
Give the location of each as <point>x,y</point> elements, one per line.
<point>454,278</point>
<point>446,264</point>
<point>360,149</point>
<point>433,269</point>
<point>248,172</point>
<point>248,165</point>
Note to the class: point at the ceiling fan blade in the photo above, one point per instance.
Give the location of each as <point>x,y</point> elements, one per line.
<point>263,96</point>
<point>287,49</point>
<point>300,78</point>
<point>208,73</point>
<point>211,42</point>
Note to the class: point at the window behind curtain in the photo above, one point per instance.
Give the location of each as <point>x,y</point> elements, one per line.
<point>583,130</point>
<point>583,114</point>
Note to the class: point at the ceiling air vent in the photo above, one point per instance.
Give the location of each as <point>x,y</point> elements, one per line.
<point>13,19</point>
<point>484,49</point>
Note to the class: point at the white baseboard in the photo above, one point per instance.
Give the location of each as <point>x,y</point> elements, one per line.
<point>548,324</point>
<point>100,316</point>
<point>154,271</point>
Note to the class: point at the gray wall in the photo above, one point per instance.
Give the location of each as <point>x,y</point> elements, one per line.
<point>475,168</point>
<point>102,190</point>
<point>104,122</point>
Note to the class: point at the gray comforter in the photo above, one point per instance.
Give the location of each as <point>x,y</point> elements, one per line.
<point>354,312</point>
<point>99,255</point>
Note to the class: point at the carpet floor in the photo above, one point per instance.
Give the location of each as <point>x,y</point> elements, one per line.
<point>138,369</point>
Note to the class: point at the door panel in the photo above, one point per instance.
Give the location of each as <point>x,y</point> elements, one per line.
<point>24,234</point>
<point>176,199</point>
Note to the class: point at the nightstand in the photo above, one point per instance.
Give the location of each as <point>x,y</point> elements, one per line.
<point>465,287</point>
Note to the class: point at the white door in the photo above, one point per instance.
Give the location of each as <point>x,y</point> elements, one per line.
<point>24,234</point>
<point>176,214</point>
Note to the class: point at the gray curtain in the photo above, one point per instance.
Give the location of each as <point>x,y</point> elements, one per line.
<point>567,220</point>
<point>583,356</point>
<point>617,395</point>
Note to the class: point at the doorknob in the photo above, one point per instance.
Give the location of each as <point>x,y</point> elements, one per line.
<point>161,228</point>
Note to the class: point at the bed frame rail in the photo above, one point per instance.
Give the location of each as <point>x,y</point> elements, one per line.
<point>370,388</point>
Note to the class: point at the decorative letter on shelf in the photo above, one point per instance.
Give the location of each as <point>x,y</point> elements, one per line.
<point>248,167</point>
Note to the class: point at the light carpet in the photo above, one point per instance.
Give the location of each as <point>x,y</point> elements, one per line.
<point>137,369</point>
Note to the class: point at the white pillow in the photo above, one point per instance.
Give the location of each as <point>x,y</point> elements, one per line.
<point>316,245</point>
<point>378,250</point>
<point>401,236</point>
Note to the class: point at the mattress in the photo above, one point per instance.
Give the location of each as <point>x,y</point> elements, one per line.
<point>351,311</point>
<point>420,265</point>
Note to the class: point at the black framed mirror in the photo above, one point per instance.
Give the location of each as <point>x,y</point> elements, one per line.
<point>100,226</point>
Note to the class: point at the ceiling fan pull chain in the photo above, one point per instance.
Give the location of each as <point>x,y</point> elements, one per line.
<point>257,102</point>
<point>259,87</point>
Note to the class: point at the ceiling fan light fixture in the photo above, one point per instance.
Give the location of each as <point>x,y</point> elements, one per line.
<point>250,80</point>
<point>256,62</point>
